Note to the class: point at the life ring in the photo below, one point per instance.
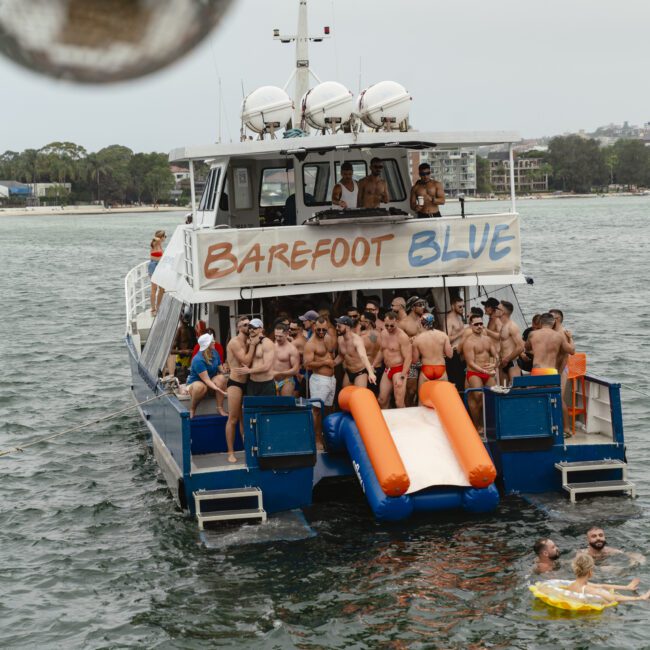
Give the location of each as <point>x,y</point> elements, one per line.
<point>556,594</point>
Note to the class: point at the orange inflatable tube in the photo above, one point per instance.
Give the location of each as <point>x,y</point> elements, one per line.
<point>383,454</point>
<point>461,432</point>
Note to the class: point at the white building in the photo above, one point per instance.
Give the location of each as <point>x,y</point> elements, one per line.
<point>455,169</point>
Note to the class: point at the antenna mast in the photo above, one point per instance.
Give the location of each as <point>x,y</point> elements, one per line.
<point>301,72</point>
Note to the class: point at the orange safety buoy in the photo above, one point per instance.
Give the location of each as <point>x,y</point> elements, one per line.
<point>460,430</point>
<point>382,452</point>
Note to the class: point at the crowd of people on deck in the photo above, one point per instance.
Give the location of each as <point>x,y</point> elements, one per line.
<point>391,349</point>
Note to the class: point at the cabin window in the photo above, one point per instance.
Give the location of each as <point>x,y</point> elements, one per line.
<point>317,183</point>
<point>277,186</point>
<point>209,191</point>
<point>359,170</point>
<point>394,181</point>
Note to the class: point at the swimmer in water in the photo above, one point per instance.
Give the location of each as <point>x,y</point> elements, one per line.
<point>548,555</point>
<point>598,550</point>
<point>583,567</point>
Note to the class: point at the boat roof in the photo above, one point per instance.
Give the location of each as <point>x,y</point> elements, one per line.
<point>344,141</point>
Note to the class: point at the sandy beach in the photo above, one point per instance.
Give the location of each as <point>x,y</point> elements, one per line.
<point>86,209</point>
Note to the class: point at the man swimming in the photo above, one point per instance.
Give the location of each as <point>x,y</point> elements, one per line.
<point>547,555</point>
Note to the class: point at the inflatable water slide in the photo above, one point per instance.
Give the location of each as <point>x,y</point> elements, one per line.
<point>424,458</point>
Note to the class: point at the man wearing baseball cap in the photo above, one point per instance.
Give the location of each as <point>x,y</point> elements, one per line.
<point>308,319</point>
<point>358,370</point>
<point>261,375</point>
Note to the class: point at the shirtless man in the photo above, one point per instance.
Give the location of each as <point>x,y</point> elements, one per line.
<point>370,338</point>
<point>260,373</point>
<point>598,549</point>
<point>427,195</point>
<point>547,555</point>
<point>480,354</point>
<point>297,337</point>
<point>562,358</point>
<point>345,193</point>
<point>397,353</point>
<point>373,306</point>
<point>373,189</point>
<point>308,319</point>
<point>320,359</point>
<point>239,354</point>
<point>454,327</point>
<point>358,369</point>
<point>286,362</point>
<point>431,346</point>
<point>546,345</point>
<point>512,345</point>
<point>412,325</point>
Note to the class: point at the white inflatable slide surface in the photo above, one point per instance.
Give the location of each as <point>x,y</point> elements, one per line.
<point>422,443</point>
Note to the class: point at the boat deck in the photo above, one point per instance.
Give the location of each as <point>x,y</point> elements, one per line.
<point>204,463</point>
<point>581,437</point>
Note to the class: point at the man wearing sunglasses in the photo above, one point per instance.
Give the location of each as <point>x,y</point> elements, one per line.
<point>480,357</point>
<point>427,194</point>
<point>373,189</point>
<point>358,369</point>
<point>397,353</point>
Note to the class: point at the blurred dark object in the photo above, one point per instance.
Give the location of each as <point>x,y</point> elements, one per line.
<point>101,41</point>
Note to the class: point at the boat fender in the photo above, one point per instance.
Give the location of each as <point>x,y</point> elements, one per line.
<point>332,431</point>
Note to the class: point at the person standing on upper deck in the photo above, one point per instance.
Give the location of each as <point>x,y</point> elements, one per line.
<point>373,189</point>
<point>346,192</point>
<point>427,195</point>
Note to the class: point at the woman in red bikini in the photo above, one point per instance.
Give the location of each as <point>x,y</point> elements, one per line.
<point>155,254</point>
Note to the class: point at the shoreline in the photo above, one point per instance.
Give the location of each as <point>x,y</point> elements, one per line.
<point>71,210</point>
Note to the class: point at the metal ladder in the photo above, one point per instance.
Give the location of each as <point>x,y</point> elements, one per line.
<point>621,485</point>
<point>230,496</point>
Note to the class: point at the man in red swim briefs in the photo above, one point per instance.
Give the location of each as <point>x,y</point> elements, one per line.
<point>431,347</point>
<point>396,351</point>
<point>481,358</point>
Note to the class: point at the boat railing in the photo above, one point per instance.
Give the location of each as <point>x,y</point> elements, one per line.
<point>136,292</point>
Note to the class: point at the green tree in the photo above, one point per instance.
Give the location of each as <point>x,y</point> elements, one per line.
<point>115,160</point>
<point>159,181</point>
<point>578,163</point>
<point>632,162</point>
<point>483,185</point>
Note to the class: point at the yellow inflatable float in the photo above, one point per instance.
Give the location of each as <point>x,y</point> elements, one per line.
<point>556,594</point>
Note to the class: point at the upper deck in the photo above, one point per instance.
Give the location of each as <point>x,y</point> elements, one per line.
<point>260,228</point>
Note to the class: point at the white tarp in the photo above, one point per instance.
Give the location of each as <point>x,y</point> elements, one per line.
<point>425,450</point>
<point>298,254</point>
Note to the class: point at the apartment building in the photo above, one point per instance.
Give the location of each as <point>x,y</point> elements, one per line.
<point>530,174</point>
<point>455,169</point>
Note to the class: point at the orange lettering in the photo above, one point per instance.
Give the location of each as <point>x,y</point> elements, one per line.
<point>278,251</point>
<point>296,252</point>
<point>346,253</point>
<point>320,251</point>
<point>366,251</point>
<point>254,256</point>
<point>216,253</point>
<point>379,241</point>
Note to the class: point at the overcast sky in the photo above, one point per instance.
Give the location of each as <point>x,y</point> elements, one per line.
<point>538,68</point>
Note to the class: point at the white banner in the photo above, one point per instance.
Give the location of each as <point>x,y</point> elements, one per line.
<point>256,257</point>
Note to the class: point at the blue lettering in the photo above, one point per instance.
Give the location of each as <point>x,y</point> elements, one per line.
<point>498,239</point>
<point>424,239</point>
<point>472,240</point>
<point>451,255</point>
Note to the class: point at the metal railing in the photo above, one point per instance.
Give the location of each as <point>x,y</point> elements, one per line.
<point>136,292</point>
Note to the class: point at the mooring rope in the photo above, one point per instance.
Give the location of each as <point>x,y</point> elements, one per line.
<point>81,426</point>
<point>636,390</point>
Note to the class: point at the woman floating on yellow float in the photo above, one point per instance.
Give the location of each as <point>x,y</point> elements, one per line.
<point>582,595</point>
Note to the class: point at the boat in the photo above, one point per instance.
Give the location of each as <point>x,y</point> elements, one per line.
<point>264,238</point>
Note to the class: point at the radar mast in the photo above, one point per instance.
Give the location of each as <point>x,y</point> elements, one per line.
<point>301,71</point>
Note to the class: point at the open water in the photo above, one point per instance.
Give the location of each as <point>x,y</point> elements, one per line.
<point>94,554</point>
